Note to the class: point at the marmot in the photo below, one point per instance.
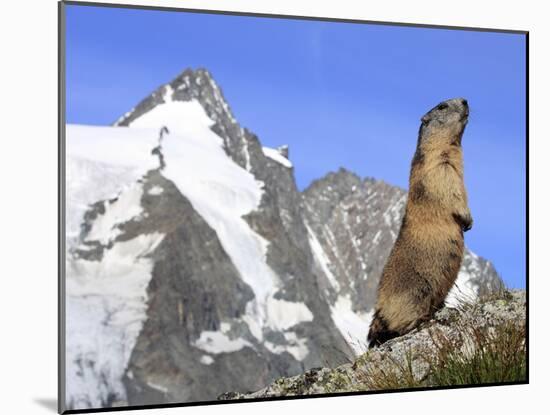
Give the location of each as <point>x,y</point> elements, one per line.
<point>425,260</point>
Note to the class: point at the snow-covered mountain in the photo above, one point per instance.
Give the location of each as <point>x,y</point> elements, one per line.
<point>196,267</point>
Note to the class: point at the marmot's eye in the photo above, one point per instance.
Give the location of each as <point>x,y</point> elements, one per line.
<point>442,106</point>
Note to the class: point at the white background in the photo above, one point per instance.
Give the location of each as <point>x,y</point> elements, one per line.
<point>28,204</point>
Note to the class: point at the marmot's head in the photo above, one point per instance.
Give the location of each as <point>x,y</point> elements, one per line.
<point>445,122</point>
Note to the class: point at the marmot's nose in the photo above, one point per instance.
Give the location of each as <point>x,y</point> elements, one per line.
<point>464,102</point>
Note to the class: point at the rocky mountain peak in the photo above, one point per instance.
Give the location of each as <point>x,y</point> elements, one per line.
<point>188,85</point>
<point>341,181</point>
<point>199,85</point>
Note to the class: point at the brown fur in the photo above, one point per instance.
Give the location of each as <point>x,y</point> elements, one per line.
<point>425,260</point>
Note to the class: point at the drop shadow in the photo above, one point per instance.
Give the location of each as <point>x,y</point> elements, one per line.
<point>47,403</point>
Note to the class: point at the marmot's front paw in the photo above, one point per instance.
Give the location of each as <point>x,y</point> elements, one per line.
<point>465,221</point>
<point>468,223</point>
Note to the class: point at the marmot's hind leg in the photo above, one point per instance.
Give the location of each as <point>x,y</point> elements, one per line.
<point>417,323</point>
<point>407,312</point>
<point>379,332</point>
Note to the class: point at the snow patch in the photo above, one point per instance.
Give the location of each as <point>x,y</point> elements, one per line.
<point>376,237</point>
<point>116,146</point>
<point>284,314</point>
<point>297,346</point>
<point>155,191</point>
<point>276,156</point>
<point>157,387</point>
<point>105,309</point>
<point>463,290</point>
<point>254,324</point>
<point>106,299</point>
<point>105,227</point>
<point>181,117</point>
<point>353,326</point>
<point>216,342</point>
<point>102,162</point>
<point>206,360</point>
<point>321,258</point>
<point>245,149</point>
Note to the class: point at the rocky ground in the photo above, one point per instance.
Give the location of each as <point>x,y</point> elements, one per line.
<point>475,343</point>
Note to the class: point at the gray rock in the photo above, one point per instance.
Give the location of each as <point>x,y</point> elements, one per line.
<point>414,350</point>
<point>283,151</point>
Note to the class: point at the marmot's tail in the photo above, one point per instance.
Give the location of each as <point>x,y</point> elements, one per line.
<point>379,332</point>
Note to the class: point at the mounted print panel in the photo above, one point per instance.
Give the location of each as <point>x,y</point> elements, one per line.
<point>262,207</point>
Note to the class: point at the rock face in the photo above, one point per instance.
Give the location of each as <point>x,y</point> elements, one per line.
<point>414,351</point>
<point>195,266</point>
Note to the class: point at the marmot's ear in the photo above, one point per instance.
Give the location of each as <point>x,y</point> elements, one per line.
<point>424,119</point>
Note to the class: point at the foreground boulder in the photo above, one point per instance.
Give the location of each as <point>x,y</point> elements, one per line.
<point>476,343</point>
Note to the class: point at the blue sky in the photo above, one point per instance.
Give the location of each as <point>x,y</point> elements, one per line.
<point>340,94</point>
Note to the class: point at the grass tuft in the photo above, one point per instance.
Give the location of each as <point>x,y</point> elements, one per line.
<point>490,355</point>
<point>396,375</point>
<point>471,355</point>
